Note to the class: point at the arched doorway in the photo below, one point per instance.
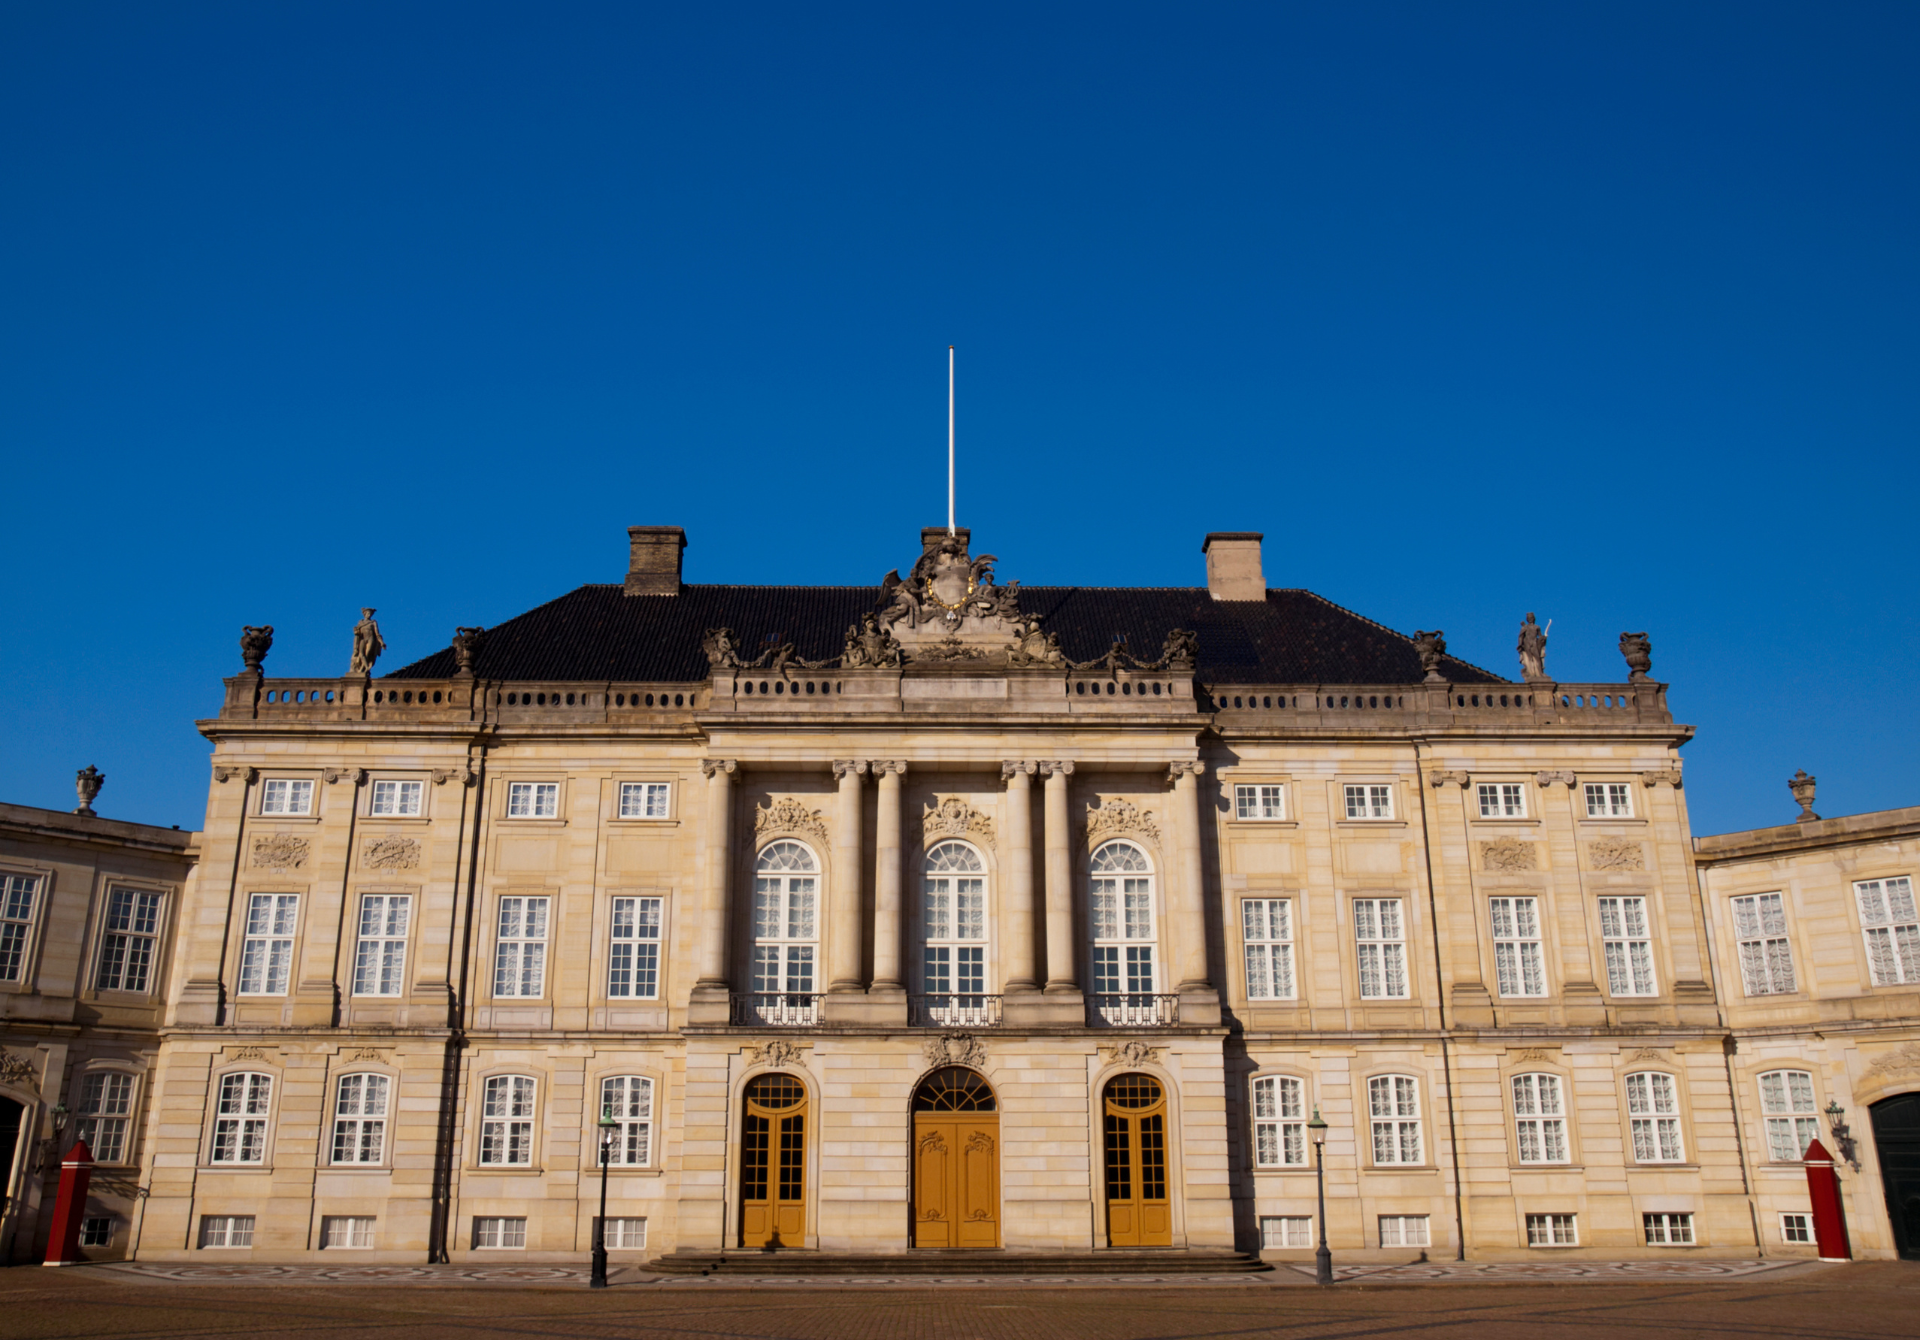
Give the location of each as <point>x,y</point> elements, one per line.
<point>773,1162</point>
<point>956,1161</point>
<point>1139,1213</point>
<point>1896,1139</point>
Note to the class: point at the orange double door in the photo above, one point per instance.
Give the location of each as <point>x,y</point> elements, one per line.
<point>1134,1122</point>
<point>773,1164</point>
<point>956,1179</point>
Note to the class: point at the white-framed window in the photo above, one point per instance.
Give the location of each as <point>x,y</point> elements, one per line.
<point>1552,1230</point>
<point>1653,1113</point>
<point>1518,962</point>
<point>633,957</point>
<point>380,958</point>
<point>266,954</point>
<point>1286,1230</point>
<point>1393,1105</point>
<point>1629,946</point>
<point>1404,1230</point>
<point>1793,1122</point>
<point>1259,801</point>
<point>645,800</point>
<point>240,1114</point>
<point>1540,1118</point>
<point>629,1234</point>
<point>1609,800</point>
<point>506,1122</point>
<point>953,955</point>
<point>520,950</point>
<point>346,1230</point>
<point>18,893</point>
<point>360,1118</point>
<point>1892,929</point>
<point>1380,937</point>
<point>628,1099</point>
<point>226,1230</point>
<point>786,899</point>
<point>1796,1228</point>
<point>398,800</point>
<point>507,1233</point>
<point>1266,926</point>
<point>1502,800</point>
<point>284,795</point>
<point>1668,1230</point>
<point>106,1111</point>
<point>533,800</point>
<point>96,1231</point>
<point>127,939</point>
<point>1120,906</point>
<point>1369,800</point>
<point>1279,1122</point>
<point>1766,958</point>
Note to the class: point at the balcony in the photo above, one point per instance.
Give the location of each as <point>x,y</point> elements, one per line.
<point>786,1009</point>
<point>1132,1009</point>
<point>950,1010</point>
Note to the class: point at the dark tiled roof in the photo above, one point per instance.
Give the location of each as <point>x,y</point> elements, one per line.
<point>602,633</point>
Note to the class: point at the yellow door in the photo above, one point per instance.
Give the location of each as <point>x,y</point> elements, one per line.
<point>773,1163</point>
<point>956,1162</point>
<point>1138,1211</point>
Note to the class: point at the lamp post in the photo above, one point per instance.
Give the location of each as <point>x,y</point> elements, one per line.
<point>1323,1257</point>
<point>598,1279</point>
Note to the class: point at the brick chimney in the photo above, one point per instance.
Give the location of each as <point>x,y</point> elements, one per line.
<point>1233,565</point>
<point>653,567</point>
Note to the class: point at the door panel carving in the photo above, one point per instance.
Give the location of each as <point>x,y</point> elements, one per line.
<point>956,1168</point>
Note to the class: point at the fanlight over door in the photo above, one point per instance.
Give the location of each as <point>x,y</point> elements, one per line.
<point>956,1161</point>
<point>773,1163</point>
<point>1135,1116</point>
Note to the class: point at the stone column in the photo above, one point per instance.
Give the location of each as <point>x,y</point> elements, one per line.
<point>1061,940</point>
<point>887,877</point>
<point>1188,903</point>
<point>848,851</point>
<point>1016,922</point>
<point>718,919</point>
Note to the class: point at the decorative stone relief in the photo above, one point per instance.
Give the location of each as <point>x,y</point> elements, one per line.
<point>364,1054</point>
<point>1898,1063</point>
<point>1616,854</point>
<point>950,649</point>
<point>722,646</point>
<point>1120,816</point>
<point>1648,1054</point>
<point>1546,1054</point>
<point>1560,775</point>
<point>780,1053</point>
<point>250,1054</point>
<point>787,815</point>
<point>870,645</point>
<point>1507,854</point>
<point>1034,647</point>
<point>1459,779</point>
<point>1132,1052</point>
<point>282,851</point>
<point>953,817</point>
<point>955,1049</point>
<point>17,1070</point>
<point>392,853</point>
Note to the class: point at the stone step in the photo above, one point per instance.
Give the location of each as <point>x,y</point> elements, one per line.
<point>1163,1261</point>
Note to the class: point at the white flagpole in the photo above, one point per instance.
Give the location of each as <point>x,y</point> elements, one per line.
<point>949,439</point>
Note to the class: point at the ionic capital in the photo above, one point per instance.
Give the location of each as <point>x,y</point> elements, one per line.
<point>354,775</point>
<point>1018,766</point>
<point>1548,778</point>
<point>1671,776</point>
<point>1459,779</point>
<point>1186,767</point>
<point>881,767</point>
<point>722,767</point>
<point>1056,767</point>
<point>224,773</point>
<point>849,767</point>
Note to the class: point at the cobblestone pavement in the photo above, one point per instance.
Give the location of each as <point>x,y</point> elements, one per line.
<point>1836,1303</point>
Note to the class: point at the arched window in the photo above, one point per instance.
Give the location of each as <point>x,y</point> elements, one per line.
<point>1540,1118</point>
<point>1653,1109</point>
<point>360,1119</point>
<point>628,1099</point>
<point>953,965</point>
<point>1393,1105</point>
<point>240,1118</point>
<point>506,1121</point>
<point>786,889</point>
<point>1120,906</point>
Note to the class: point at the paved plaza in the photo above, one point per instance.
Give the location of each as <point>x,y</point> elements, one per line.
<point>1714,1301</point>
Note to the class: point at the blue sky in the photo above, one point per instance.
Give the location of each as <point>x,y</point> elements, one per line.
<point>1604,311</point>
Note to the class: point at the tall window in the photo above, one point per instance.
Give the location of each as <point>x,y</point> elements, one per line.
<point>954,956</point>
<point>1393,1101</point>
<point>1503,800</point>
<point>266,955</point>
<point>1120,900</point>
<point>506,1121</point>
<point>1540,1118</point>
<point>533,800</point>
<point>1793,1123</point>
<point>240,1118</point>
<point>360,1119</point>
<point>281,796</point>
<point>127,940</point>
<point>520,952</point>
<point>1279,1122</point>
<point>644,800</point>
<point>17,893</point>
<point>1267,926</point>
<point>786,886</point>
<point>633,967</point>
<point>380,960</point>
<point>1653,1109</point>
<point>1629,946</point>
<point>106,1109</point>
<point>1766,959</point>
<point>1259,802</point>
<point>1381,940</point>
<point>1518,963</point>
<point>397,799</point>
<point>1609,800</point>
<point>628,1099</point>
<point>1892,930</point>
<point>1370,801</point>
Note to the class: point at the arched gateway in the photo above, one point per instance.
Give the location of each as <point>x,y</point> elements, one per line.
<point>956,1161</point>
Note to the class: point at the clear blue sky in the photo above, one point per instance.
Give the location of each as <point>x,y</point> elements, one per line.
<point>1606,311</point>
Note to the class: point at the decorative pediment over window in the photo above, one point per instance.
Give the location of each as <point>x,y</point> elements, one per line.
<point>954,817</point>
<point>787,815</point>
<point>1119,816</point>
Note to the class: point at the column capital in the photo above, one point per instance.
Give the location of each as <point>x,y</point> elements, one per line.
<point>849,767</point>
<point>710,766</point>
<point>1018,766</point>
<point>1056,767</point>
<point>880,767</point>
<point>1186,767</point>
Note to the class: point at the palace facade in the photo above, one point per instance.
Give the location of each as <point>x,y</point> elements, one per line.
<point>947,914</point>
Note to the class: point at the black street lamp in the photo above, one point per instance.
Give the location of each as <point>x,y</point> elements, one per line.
<point>1322,1258</point>
<point>608,1126</point>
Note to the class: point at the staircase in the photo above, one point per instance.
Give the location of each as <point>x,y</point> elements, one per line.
<point>788,1262</point>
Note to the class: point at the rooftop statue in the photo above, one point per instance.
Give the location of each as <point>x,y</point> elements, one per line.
<point>870,645</point>
<point>722,647</point>
<point>367,644</point>
<point>1431,647</point>
<point>255,643</point>
<point>466,645</point>
<point>1533,650</point>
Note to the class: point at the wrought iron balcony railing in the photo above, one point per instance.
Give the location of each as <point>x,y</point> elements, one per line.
<point>783,1009</point>
<point>953,1010</point>
<point>1132,1009</point>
